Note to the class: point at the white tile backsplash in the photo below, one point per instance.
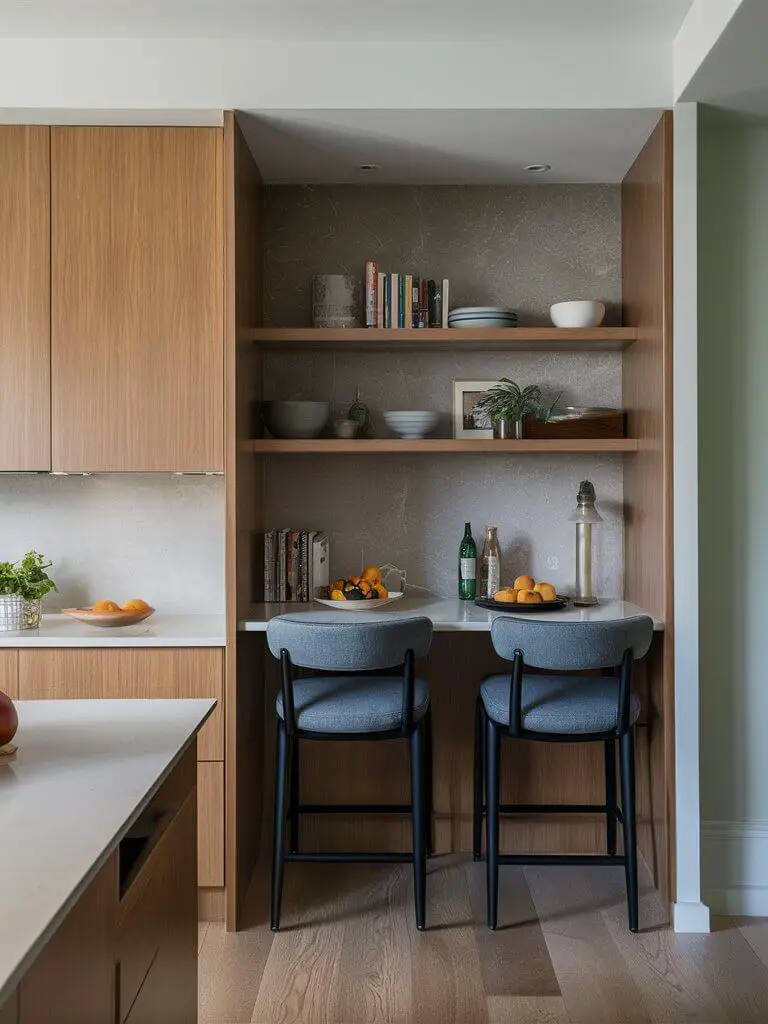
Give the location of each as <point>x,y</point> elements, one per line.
<point>119,536</point>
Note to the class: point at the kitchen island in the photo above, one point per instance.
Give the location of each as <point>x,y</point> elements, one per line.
<point>97,818</point>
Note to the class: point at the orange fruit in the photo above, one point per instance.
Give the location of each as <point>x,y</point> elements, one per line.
<point>547,591</point>
<point>529,597</point>
<point>508,595</point>
<point>372,574</point>
<point>135,605</point>
<point>105,606</point>
<point>525,583</point>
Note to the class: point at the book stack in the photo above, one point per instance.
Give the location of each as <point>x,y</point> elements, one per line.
<point>404,300</point>
<point>296,564</point>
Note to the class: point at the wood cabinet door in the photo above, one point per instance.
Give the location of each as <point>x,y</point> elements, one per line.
<point>25,298</point>
<point>137,299</point>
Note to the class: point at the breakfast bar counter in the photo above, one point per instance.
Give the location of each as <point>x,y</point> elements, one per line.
<point>449,614</point>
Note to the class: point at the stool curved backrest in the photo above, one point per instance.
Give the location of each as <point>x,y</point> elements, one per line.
<point>361,642</point>
<point>571,646</point>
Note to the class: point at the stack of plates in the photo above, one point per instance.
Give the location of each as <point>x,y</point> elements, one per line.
<point>482,316</point>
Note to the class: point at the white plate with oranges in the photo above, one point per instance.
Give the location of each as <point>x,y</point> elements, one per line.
<point>525,596</point>
<point>109,613</point>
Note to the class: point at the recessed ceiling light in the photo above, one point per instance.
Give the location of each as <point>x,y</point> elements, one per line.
<point>538,168</point>
<point>368,167</point>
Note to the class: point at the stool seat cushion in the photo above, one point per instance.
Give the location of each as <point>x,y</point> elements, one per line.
<point>559,704</point>
<point>343,704</point>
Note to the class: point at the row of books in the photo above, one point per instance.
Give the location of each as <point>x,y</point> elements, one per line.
<point>296,563</point>
<point>404,300</point>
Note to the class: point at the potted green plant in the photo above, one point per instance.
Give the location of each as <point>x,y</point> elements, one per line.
<point>23,585</point>
<point>507,403</point>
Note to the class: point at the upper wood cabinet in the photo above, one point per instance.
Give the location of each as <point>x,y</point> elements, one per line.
<point>137,299</point>
<point>25,303</point>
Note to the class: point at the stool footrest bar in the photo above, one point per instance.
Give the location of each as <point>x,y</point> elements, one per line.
<point>351,858</point>
<point>353,808</point>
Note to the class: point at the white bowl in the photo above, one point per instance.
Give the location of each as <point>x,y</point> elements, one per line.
<point>411,425</point>
<point>361,606</point>
<point>296,419</point>
<point>583,313</point>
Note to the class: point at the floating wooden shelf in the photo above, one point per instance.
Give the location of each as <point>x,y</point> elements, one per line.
<point>437,446</point>
<point>551,339</point>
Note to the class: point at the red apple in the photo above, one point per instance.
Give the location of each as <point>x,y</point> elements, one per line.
<point>9,720</point>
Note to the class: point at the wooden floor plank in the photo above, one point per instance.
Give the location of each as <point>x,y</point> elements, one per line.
<point>515,960</point>
<point>673,988</point>
<point>299,982</point>
<point>445,967</point>
<point>732,969</point>
<point>231,964</point>
<point>596,984</point>
<point>526,1010</point>
<point>755,931</point>
<point>374,981</point>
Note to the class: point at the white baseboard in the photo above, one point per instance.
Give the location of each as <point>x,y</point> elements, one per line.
<point>735,867</point>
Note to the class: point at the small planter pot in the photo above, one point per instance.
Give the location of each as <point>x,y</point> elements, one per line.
<point>19,613</point>
<point>506,430</point>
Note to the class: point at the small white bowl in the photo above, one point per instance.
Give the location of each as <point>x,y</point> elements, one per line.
<point>583,313</point>
<point>411,425</point>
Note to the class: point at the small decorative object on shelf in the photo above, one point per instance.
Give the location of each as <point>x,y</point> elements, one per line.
<point>23,585</point>
<point>345,428</point>
<point>580,314</point>
<point>337,301</point>
<point>467,565</point>
<point>585,517</point>
<point>361,414</point>
<point>490,564</point>
<point>507,403</point>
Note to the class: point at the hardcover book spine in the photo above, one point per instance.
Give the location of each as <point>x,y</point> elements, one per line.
<point>380,294</point>
<point>293,575</point>
<point>371,281</point>
<point>388,303</point>
<point>408,315</point>
<point>424,303</point>
<point>432,320</point>
<point>269,565</point>
<point>444,292</point>
<point>395,304</point>
<point>415,303</point>
<point>282,560</point>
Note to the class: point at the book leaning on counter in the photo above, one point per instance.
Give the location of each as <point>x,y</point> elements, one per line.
<point>296,564</point>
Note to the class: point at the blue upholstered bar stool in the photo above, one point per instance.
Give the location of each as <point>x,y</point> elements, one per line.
<point>561,708</point>
<point>372,693</point>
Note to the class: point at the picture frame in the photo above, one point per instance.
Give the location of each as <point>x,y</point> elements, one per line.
<point>466,393</point>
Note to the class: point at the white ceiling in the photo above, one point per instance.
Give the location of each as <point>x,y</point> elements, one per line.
<point>344,20</point>
<point>446,146</point>
<point>734,74</point>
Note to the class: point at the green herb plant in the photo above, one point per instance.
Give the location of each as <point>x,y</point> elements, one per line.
<point>508,401</point>
<point>26,578</point>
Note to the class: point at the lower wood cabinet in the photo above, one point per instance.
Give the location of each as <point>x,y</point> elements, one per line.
<point>142,672</point>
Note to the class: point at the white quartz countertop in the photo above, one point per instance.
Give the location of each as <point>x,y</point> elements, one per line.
<point>83,773</point>
<point>449,614</point>
<point>157,631</point>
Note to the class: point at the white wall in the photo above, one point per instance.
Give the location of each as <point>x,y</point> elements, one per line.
<point>121,535</point>
<point>733,446</point>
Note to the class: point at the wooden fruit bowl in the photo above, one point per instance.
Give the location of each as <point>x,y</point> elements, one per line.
<point>108,618</point>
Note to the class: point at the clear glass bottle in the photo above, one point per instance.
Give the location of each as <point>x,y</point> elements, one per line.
<point>467,565</point>
<point>490,564</point>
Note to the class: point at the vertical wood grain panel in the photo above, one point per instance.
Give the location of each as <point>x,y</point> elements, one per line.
<point>242,204</point>
<point>78,962</point>
<point>110,672</point>
<point>25,297</point>
<point>9,672</point>
<point>210,823</point>
<point>137,291</point>
<point>646,210</point>
<point>9,1011</point>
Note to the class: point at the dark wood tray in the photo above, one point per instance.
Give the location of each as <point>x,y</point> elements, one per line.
<point>515,609</point>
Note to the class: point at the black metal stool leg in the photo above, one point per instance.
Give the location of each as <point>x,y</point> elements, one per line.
<point>610,796</point>
<point>281,765</point>
<point>293,814</point>
<point>627,754</point>
<point>479,771</point>
<point>419,831</point>
<point>428,781</point>
<point>492,761</point>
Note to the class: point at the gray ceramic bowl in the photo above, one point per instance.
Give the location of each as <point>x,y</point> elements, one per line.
<point>296,419</point>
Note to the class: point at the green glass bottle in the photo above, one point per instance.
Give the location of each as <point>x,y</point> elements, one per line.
<point>467,565</point>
